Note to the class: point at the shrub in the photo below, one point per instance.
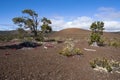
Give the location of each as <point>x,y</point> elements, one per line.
<point>66,52</point>
<point>69,49</point>
<point>109,65</point>
<point>93,65</point>
<point>78,51</point>
<point>7,37</point>
<point>28,39</point>
<point>114,42</point>
<point>39,37</point>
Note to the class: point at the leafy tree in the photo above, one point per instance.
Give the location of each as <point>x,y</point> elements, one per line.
<point>31,21</point>
<point>45,26</point>
<point>21,33</point>
<point>97,30</point>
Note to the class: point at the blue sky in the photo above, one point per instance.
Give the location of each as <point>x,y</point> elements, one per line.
<point>64,13</point>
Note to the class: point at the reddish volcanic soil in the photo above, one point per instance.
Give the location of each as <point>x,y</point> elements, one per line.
<point>47,64</point>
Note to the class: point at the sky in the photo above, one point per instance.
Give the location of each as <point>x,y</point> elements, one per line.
<point>64,13</point>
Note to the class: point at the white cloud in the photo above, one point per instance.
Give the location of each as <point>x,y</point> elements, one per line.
<point>83,22</point>
<point>79,22</point>
<point>111,18</point>
<point>105,13</point>
<point>7,27</point>
<point>112,26</point>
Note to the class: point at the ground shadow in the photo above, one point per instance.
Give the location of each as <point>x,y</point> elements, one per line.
<point>21,45</point>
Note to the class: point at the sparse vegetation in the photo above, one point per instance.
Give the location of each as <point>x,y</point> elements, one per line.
<point>6,38</point>
<point>104,64</point>
<point>21,33</point>
<point>32,22</point>
<point>69,49</point>
<point>73,58</point>
<point>114,42</point>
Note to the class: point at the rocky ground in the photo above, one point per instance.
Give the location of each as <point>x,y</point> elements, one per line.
<point>47,64</point>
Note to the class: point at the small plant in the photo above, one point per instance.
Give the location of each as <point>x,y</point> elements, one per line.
<point>114,42</point>
<point>109,68</point>
<point>101,63</point>
<point>66,52</point>
<point>78,51</point>
<point>69,49</point>
<point>93,65</point>
<point>105,64</point>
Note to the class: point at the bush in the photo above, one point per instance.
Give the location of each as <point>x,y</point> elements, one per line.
<point>39,37</point>
<point>6,38</point>
<point>70,50</point>
<point>114,42</point>
<point>104,63</point>
<point>77,51</point>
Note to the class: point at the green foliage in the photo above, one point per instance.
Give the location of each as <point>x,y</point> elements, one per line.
<point>70,50</point>
<point>101,63</point>
<point>109,69</point>
<point>93,65</point>
<point>114,42</point>
<point>30,21</point>
<point>95,37</point>
<point>104,63</point>
<point>45,27</point>
<point>6,38</point>
<point>39,38</point>
<point>28,38</point>
<point>77,51</point>
<point>66,52</point>
<point>21,33</point>
<point>97,31</point>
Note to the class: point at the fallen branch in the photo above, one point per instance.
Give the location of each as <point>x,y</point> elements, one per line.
<point>89,49</point>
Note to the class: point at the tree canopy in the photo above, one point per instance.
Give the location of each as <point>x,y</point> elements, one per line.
<point>97,30</point>
<point>45,26</point>
<point>32,22</point>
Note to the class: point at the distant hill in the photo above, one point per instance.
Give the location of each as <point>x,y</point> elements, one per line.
<point>8,32</point>
<point>116,33</point>
<point>81,33</point>
<point>69,32</point>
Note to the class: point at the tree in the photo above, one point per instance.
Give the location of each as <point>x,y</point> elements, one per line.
<point>21,33</point>
<point>97,30</point>
<point>45,26</point>
<point>30,21</point>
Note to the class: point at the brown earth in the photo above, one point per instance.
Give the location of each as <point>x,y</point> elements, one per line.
<point>46,64</point>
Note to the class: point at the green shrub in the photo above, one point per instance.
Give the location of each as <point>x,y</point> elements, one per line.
<point>93,65</point>
<point>28,39</point>
<point>104,63</point>
<point>109,69</point>
<point>6,38</point>
<point>66,52</point>
<point>78,51</point>
<point>114,42</point>
<point>69,49</point>
<point>40,37</point>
